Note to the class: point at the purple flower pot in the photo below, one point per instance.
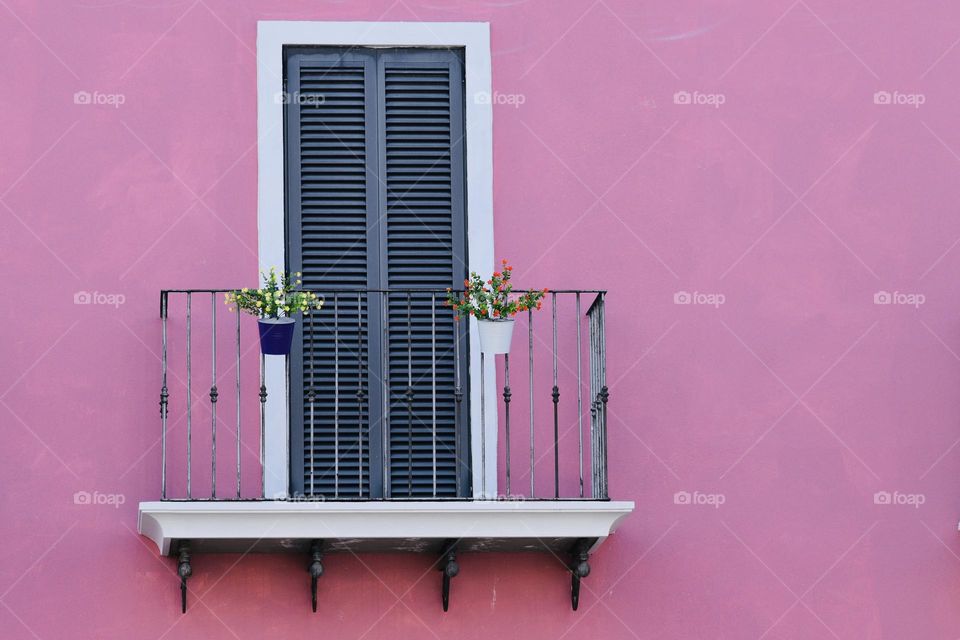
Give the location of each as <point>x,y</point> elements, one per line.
<point>276,335</point>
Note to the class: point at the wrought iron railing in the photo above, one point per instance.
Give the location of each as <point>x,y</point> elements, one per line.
<point>197,413</point>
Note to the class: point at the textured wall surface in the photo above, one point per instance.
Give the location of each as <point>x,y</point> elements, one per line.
<point>768,189</point>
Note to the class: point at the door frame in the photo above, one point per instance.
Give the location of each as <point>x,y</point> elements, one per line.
<point>474,38</point>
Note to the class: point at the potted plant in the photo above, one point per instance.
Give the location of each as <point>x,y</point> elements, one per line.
<point>274,305</point>
<point>494,305</point>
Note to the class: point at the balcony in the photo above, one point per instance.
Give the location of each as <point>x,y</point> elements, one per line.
<point>385,430</point>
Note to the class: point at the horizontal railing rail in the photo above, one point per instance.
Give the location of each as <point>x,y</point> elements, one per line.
<point>552,362</point>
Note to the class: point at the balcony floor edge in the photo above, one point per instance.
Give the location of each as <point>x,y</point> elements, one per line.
<point>363,526</point>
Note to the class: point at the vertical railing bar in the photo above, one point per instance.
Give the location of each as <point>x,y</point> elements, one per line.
<point>483,428</point>
<point>579,397</point>
<point>556,403</point>
<point>433,385</point>
<point>360,393</point>
<point>385,395</point>
<point>310,327</point>
<point>530,351</point>
<point>189,399</point>
<point>591,316</point>
<point>605,479</point>
<point>506,414</point>
<point>457,394</point>
<point>263,425</point>
<point>213,396</point>
<point>238,404</point>
<point>164,398</point>
<point>336,397</point>
<point>409,395</point>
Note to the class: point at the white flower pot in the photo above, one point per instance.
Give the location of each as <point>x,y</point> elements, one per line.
<point>495,336</point>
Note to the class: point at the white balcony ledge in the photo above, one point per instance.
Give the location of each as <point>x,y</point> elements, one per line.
<point>266,526</point>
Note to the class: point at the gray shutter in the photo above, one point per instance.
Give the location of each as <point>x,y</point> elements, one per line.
<point>331,139</point>
<point>375,200</point>
<point>423,195</point>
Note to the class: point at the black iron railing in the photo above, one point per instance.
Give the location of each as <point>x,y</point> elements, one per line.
<point>428,391</point>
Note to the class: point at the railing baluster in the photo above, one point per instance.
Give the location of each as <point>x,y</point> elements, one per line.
<point>385,398</point>
<point>433,384</point>
<point>530,350</point>
<point>457,397</point>
<point>311,396</point>
<point>336,397</point>
<point>556,404</point>
<point>483,430</point>
<point>591,316</point>
<point>360,393</point>
<point>189,400</point>
<point>409,397</point>
<point>213,396</point>
<point>238,403</point>
<point>164,397</point>
<point>579,398</point>
<point>604,395</point>
<point>506,414</point>
<point>263,425</point>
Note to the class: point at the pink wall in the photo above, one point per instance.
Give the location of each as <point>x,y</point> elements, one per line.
<point>797,399</point>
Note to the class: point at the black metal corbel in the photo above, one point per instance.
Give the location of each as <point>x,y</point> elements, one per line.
<point>450,568</point>
<point>316,570</point>
<point>579,568</point>
<point>184,570</point>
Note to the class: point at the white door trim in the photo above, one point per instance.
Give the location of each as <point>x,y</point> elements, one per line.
<point>474,37</point>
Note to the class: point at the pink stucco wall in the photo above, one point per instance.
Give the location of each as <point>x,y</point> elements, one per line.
<point>793,403</point>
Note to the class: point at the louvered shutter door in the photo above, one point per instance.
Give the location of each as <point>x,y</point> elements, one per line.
<point>422,171</point>
<point>330,197</point>
<point>375,200</point>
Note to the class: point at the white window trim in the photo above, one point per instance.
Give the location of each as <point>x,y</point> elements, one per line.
<point>474,37</point>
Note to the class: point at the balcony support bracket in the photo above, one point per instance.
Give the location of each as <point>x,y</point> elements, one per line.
<point>184,570</point>
<point>450,569</point>
<point>579,568</point>
<point>316,570</point>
